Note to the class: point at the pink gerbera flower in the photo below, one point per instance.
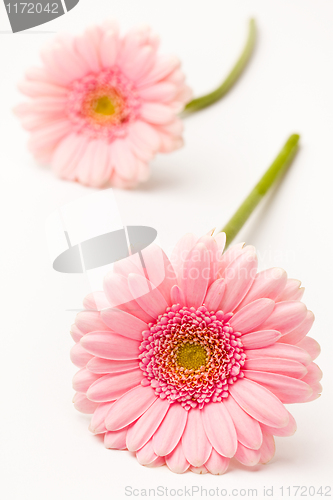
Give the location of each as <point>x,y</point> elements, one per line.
<point>198,370</point>
<point>103,105</point>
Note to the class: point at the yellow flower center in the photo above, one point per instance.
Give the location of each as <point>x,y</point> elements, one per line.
<point>104,106</point>
<point>191,356</point>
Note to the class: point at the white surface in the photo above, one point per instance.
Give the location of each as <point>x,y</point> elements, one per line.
<point>47,452</point>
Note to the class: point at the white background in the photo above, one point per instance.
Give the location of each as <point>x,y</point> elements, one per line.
<point>46,449</point>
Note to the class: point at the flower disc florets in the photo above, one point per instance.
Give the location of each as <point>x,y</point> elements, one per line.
<point>191,356</point>
<point>103,104</point>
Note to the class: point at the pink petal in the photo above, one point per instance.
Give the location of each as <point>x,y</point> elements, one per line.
<point>123,159</point>
<point>142,152</point>
<point>146,454</point>
<point>247,456</point>
<point>177,76</point>
<point>96,301</point>
<point>87,163</point>
<point>267,449</point>
<point>144,61</point>
<point>220,239</point>
<point>268,284</point>
<point>164,66</point>
<point>119,295</point>
<point>116,440</point>
<point>311,346</point>
<point>290,291</point>
<point>176,460</point>
<point>317,389</point>
<point>33,122</point>
<point>68,154</point>
<point>97,424</point>
<point>158,462</point>
<point>51,104</point>
<point>219,429</point>
<point>229,256</point>
<point>42,154</point>
<point>65,153</point>
<point>109,345</point>
<point>196,276</point>
<point>83,379</point>
<point>131,264</point>
<point>180,253</point>
<point>38,74</point>
<point>288,430</point>
<point>150,300</point>
<point>260,403</point>
<point>144,428</point>
<point>109,48</point>
<point>216,464</point>
<point>65,61</point>
<point>239,277</point>
<point>278,350</point>
<point>159,270</point>
<point>196,446</point>
<point>76,333</point>
<point>247,429</point>
<point>82,404</point>
<point>161,92</point>
<point>285,317</point>
<point>103,366</point>
<point>143,174</point>
<point>129,407</point>
<point>144,136</point>
<point>90,321</point>
<point>177,296</point>
<point>169,143</point>
<point>198,470</point>
<point>263,338</point>
<point>252,315</point>
<point>297,295</point>
<point>313,375</point>
<point>133,308</point>
<point>109,25</point>
<point>101,168</point>
<point>38,88</point>
<point>87,51</point>
<point>287,389</point>
<point>214,295</point>
<point>123,323</point>
<point>170,431</point>
<point>282,366</point>
<point>112,386</point>
<point>24,109</point>
<point>131,44</point>
<point>79,356</point>
<point>213,255</point>
<point>156,113</point>
<point>300,331</point>
<point>49,136</point>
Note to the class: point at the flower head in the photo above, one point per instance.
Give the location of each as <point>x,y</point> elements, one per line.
<point>197,370</point>
<point>103,105</point>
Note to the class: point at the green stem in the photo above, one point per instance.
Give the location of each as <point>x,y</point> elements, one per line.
<point>208,99</point>
<point>278,167</point>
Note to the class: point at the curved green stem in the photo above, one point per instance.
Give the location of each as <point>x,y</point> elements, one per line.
<point>212,97</point>
<point>278,167</point>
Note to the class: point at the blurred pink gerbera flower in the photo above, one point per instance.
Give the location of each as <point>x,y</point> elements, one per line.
<point>196,371</point>
<point>103,105</point>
